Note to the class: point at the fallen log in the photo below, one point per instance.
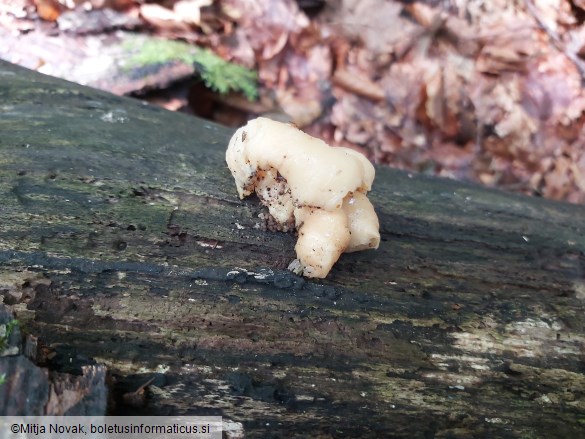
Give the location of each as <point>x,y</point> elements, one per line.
<point>123,242</point>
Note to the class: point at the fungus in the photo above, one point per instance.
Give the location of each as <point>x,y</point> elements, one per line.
<point>306,184</point>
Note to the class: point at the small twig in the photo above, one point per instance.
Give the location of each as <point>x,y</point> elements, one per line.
<point>136,398</point>
<point>144,386</point>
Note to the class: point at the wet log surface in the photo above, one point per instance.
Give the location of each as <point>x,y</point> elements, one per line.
<point>123,243</point>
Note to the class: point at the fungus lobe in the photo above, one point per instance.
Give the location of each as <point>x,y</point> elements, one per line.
<point>305,182</point>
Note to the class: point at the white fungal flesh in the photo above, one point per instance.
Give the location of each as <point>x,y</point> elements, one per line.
<point>323,236</point>
<point>305,182</point>
<point>362,222</point>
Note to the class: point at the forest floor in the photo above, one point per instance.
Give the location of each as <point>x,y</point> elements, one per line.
<point>481,91</point>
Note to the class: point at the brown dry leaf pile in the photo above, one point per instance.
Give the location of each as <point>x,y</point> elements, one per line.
<point>489,91</point>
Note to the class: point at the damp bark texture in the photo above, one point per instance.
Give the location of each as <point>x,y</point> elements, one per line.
<point>123,245</point>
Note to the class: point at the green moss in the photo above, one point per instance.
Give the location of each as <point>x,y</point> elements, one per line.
<point>5,331</point>
<point>223,76</point>
<point>218,74</point>
<point>2,378</point>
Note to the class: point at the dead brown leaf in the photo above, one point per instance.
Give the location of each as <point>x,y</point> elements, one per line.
<point>359,84</point>
<point>266,24</point>
<point>508,53</point>
<point>163,18</point>
<point>49,10</point>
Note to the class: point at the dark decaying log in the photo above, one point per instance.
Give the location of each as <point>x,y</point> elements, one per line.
<point>123,244</point>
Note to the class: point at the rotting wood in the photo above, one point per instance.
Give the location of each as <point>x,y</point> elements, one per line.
<point>122,239</point>
<point>26,388</point>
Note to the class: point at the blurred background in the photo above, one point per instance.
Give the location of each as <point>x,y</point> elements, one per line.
<point>484,91</point>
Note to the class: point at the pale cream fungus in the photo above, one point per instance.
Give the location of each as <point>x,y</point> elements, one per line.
<point>305,183</point>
